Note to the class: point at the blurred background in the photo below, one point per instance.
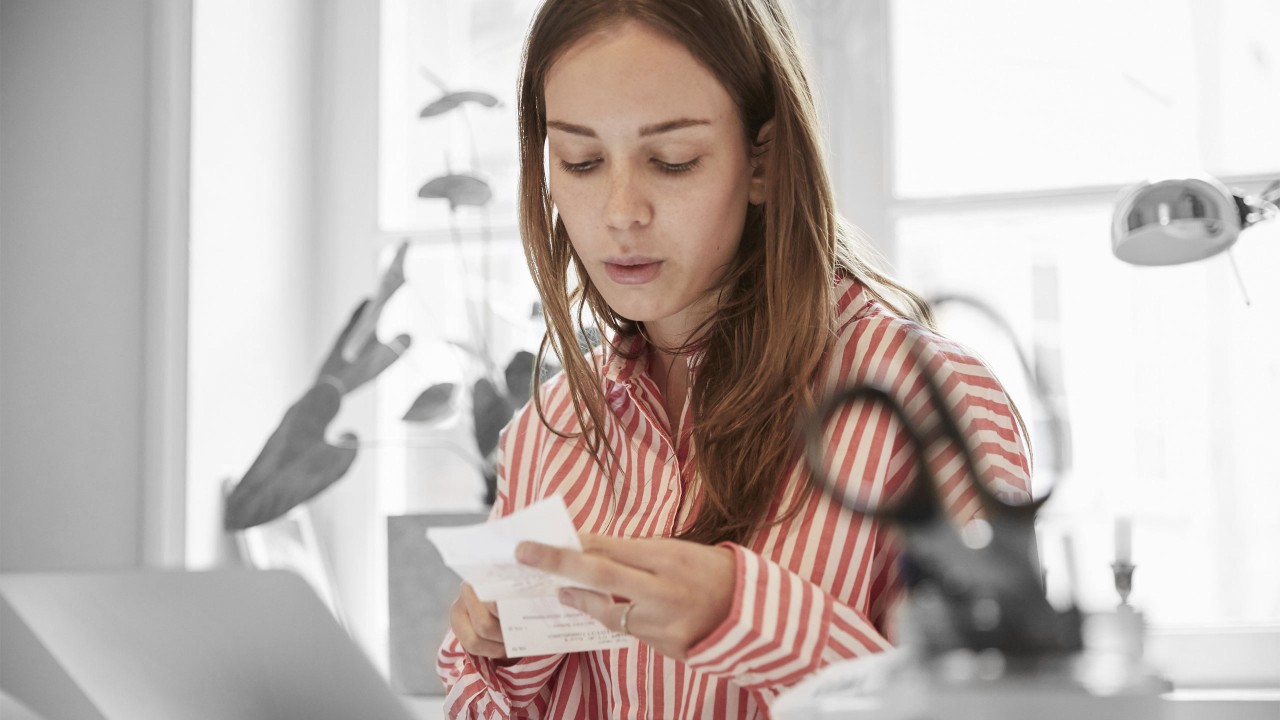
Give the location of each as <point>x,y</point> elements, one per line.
<point>195,194</point>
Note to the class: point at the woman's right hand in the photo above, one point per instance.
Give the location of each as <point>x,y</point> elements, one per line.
<point>476,624</point>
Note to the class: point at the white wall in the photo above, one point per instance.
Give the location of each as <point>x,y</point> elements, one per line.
<point>252,242</point>
<point>284,244</point>
<point>349,515</point>
<point>848,54</point>
<point>73,218</point>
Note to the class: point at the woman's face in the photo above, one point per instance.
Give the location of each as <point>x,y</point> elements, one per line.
<point>650,172</point>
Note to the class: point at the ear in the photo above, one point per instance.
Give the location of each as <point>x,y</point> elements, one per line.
<point>759,155</point>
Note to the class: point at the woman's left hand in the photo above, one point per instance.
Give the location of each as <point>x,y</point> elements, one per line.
<point>678,591</point>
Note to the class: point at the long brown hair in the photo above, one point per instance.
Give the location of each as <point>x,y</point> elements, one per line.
<point>765,343</point>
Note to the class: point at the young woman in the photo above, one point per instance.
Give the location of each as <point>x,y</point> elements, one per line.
<point>673,191</point>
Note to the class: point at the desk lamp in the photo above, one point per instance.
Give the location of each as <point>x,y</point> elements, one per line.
<point>1180,221</point>
<point>1172,222</point>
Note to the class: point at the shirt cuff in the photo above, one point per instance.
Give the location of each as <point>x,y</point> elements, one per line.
<point>483,687</point>
<point>776,630</point>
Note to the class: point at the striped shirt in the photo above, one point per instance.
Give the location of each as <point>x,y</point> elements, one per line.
<point>815,589</point>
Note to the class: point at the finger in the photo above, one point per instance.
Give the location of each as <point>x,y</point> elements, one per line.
<point>486,626</point>
<point>479,607</point>
<point>649,554</point>
<point>593,571</point>
<point>460,623</point>
<point>601,607</point>
<point>483,616</point>
<point>492,609</point>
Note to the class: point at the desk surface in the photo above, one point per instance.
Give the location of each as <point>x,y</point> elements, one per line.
<point>1183,705</point>
<point>1225,704</point>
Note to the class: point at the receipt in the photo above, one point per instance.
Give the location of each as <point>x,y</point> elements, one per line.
<point>533,620</point>
<point>484,555</point>
<point>542,626</point>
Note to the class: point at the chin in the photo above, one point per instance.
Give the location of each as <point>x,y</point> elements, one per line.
<point>634,308</point>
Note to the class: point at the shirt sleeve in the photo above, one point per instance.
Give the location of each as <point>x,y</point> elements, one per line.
<point>480,687</point>
<point>783,627</point>
<point>780,629</point>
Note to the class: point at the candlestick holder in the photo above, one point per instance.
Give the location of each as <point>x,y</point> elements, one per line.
<point>1123,573</point>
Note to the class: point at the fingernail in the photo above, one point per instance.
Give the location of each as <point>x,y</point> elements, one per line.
<point>566,598</point>
<point>526,553</point>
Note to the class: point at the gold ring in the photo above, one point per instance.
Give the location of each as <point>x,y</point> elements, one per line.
<point>622,624</point>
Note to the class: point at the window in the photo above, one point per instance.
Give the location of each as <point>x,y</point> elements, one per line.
<point>1013,128</point>
<point>468,302</point>
<point>431,48</point>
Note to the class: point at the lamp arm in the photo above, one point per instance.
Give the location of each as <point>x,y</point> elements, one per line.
<point>1272,193</point>
<point>1059,430</point>
<point>1254,210</point>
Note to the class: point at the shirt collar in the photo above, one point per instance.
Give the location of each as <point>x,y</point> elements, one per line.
<point>623,358</point>
<point>629,357</point>
<point>626,359</point>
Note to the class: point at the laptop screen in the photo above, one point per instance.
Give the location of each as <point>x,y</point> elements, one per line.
<point>242,644</point>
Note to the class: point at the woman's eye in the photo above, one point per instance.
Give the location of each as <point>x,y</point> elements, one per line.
<point>579,167</point>
<point>676,168</point>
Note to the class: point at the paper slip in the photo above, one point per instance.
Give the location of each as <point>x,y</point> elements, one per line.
<point>533,620</point>
<point>485,554</point>
<point>542,626</point>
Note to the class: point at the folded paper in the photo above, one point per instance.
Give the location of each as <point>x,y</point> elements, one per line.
<point>533,620</point>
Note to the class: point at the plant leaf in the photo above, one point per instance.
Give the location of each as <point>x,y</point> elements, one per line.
<point>434,403</point>
<point>449,101</point>
<point>519,375</point>
<point>491,411</point>
<point>458,189</point>
<point>295,464</point>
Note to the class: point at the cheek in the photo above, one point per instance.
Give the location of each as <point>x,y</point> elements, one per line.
<point>719,215</point>
<point>563,204</point>
<point>571,201</point>
<point>553,190</point>
<point>569,205</point>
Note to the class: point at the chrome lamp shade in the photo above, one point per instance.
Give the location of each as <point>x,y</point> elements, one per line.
<point>1179,221</point>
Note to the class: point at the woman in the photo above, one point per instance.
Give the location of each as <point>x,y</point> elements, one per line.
<point>683,185</point>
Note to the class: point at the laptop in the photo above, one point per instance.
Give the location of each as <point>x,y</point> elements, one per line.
<point>223,644</point>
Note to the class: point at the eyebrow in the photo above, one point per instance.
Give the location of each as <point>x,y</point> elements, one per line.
<point>646,131</point>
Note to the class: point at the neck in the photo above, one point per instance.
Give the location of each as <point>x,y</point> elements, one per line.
<point>671,373</point>
<point>665,339</point>
<point>674,332</point>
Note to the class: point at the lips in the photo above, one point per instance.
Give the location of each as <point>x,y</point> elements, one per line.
<point>633,270</point>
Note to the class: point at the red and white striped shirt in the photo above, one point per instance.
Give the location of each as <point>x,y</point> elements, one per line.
<point>810,591</point>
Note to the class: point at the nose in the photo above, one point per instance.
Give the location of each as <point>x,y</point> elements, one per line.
<point>627,205</point>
